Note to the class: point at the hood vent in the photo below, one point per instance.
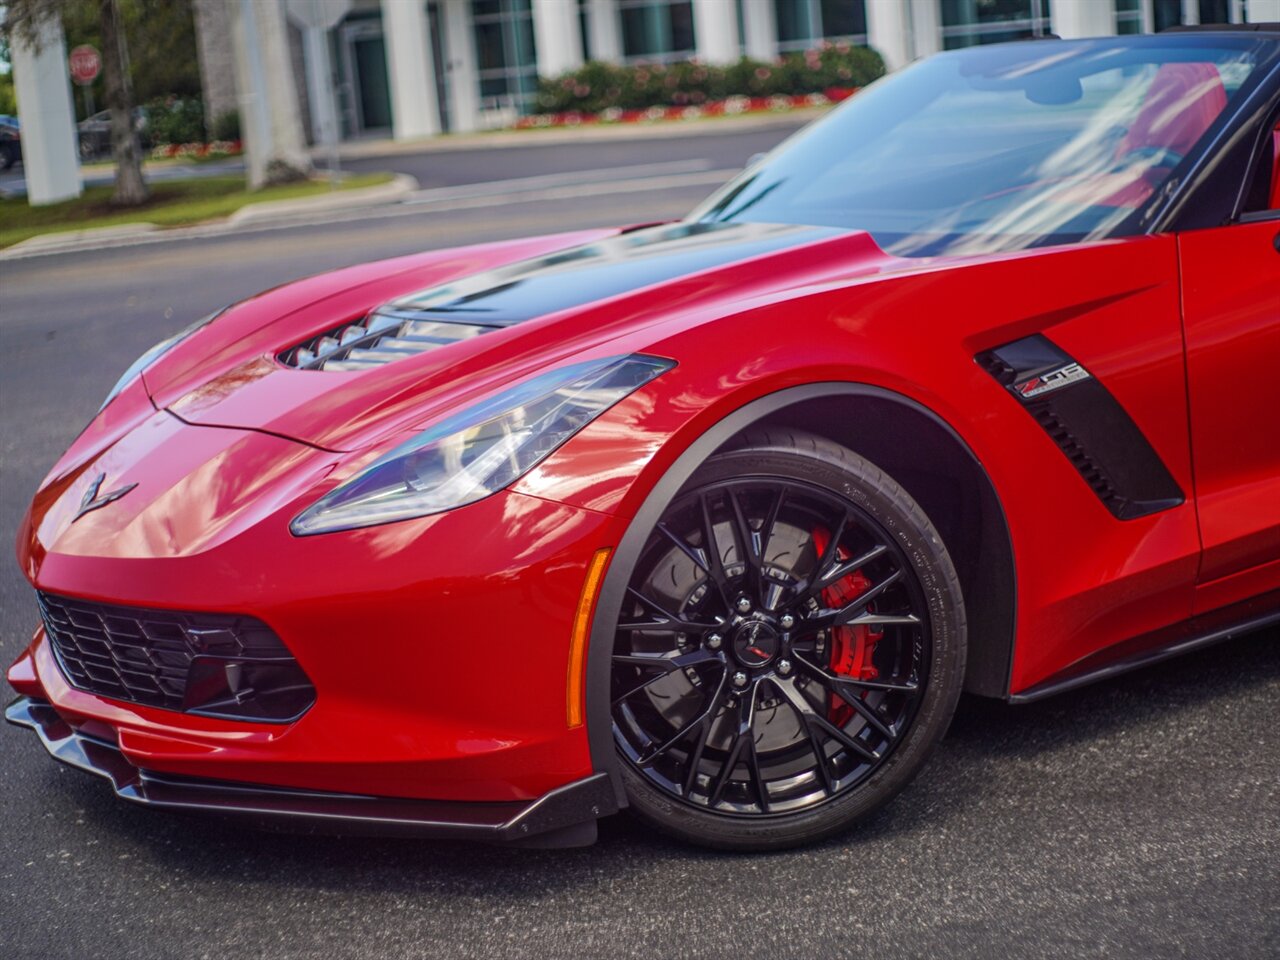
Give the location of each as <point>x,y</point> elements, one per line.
<point>379,338</point>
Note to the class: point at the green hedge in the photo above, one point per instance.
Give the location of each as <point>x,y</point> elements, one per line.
<point>598,86</point>
<point>170,120</point>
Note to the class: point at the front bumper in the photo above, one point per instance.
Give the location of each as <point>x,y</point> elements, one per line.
<point>562,817</point>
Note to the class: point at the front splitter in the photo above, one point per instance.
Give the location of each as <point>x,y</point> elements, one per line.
<point>564,817</point>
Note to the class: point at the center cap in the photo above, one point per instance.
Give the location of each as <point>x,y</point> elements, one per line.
<point>755,643</point>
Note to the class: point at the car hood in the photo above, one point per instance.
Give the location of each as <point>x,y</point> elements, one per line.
<point>350,361</point>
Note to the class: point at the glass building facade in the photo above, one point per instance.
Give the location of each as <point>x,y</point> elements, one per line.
<point>485,56</point>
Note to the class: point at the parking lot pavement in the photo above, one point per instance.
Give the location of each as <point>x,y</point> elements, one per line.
<point>1138,818</point>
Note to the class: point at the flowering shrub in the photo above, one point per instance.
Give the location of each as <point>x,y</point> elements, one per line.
<point>599,87</point>
<point>215,148</point>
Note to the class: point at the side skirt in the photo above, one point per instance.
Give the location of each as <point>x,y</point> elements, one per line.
<point>1194,634</point>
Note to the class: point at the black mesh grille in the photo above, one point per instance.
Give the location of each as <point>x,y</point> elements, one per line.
<point>206,663</point>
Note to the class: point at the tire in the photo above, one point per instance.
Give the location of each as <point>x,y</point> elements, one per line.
<point>803,670</point>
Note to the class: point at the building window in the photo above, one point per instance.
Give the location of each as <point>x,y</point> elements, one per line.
<point>1171,13</point>
<point>505,58</point>
<point>1166,14</point>
<point>1128,16</point>
<point>968,23</point>
<point>1215,11</point>
<point>805,23</point>
<point>658,30</point>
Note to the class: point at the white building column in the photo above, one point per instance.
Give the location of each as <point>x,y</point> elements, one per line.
<point>50,160</point>
<point>460,66</point>
<point>415,111</point>
<point>760,29</point>
<point>557,36</point>
<point>1263,11</point>
<point>926,27</point>
<point>605,28</point>
<point>889,32</point>
<point>1072,19</point>
<point>715,29</point>
<point>315,18</point>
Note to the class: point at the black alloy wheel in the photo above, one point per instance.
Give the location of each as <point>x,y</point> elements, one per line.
<point>790,648</point>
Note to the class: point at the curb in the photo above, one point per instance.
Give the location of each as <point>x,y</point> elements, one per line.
<point>96,236</point>
<point>400,187</point>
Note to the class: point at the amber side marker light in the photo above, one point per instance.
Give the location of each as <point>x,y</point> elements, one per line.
<point>576,687</point>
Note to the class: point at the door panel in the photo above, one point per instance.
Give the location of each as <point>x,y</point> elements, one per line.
<point>1231,309</point>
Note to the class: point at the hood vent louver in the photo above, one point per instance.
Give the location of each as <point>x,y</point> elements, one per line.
<point>378,338</point>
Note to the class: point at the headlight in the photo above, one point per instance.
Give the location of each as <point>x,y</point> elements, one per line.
<point>152,355</point>
<point>473,454</point>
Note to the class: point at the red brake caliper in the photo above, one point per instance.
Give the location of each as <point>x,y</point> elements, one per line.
<point>852,648</point>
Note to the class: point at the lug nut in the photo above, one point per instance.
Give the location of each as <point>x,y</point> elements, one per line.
<point>714,641</point>
<point>787,621</point>
<point>784,667</point>
<point>744,605</point>
<point>739,679</point>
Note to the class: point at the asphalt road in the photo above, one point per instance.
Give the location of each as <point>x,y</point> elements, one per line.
<point>1138,818</point>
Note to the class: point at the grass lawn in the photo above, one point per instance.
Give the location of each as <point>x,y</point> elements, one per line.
<point>173,203</point>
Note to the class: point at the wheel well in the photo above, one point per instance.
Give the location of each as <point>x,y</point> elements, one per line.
<point>933,464</point>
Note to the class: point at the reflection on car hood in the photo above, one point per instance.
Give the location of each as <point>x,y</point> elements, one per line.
<point>484,325</point>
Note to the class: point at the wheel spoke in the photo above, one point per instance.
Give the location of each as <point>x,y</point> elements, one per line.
<point>810,718</point>
<point>689,551</point>
<point>866,711</point>
<point>743,739</point>
<point>852,611</point>
<point>668,663</point>
<point>820,758</point>
<point>754,545</point>
<point>662,618</point>
<point>842,570</point>
<point>834,682</point>
<point>705,717</point>
<point>715,561</point>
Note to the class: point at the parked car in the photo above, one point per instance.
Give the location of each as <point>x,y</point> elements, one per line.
<point>968,386</point>
<point>94,133</point>
<point>10,141</point>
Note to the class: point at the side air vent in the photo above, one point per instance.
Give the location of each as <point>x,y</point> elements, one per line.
<point>379,338</point>
<point>1088,424</point>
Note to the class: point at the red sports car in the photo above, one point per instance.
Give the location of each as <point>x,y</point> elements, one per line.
<point>971,385</point>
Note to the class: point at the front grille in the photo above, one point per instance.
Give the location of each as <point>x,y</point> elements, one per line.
<point>210,664</point>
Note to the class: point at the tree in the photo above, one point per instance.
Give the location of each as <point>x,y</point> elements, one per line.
<point>25,16</point>
<point>163,60</point>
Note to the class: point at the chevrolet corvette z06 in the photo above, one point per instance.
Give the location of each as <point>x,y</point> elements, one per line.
<point>971,385</point>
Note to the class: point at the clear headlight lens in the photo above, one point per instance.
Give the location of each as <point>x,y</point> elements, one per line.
<point>152,355</point>
<point>476,453</point>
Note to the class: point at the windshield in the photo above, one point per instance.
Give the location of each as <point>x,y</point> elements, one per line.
<point>1002,147</point>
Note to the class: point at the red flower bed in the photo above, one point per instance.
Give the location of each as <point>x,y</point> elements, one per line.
<point>730,106</point>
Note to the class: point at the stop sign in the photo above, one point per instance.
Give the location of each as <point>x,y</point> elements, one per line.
<point>85,63</point>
